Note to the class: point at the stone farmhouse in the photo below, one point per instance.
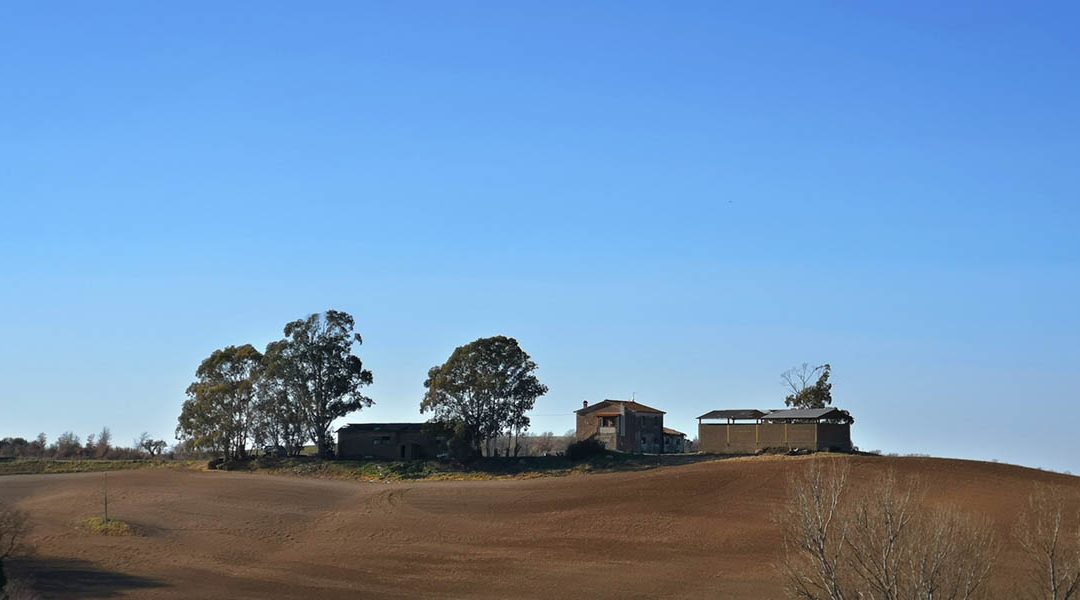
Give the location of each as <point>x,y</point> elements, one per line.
<point>625,426</point>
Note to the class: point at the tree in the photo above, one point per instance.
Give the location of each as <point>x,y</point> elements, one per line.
<point>483,389</point>
<point>13,529</point>
<point>104,443</point>
<point>806,392</point>
<point>67,445</point>
<point>218,413</point>
<point>321,375</point>
<point>880,542</point>
<point>280,415</point>
<point>149,445</point>
<point>1051,541</point>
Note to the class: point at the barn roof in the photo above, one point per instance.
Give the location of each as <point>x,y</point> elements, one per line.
<point>628,404</point>
<point>739,413</point>
<point>669,431</point>
<point>805,413</point>
<point>384,427</point>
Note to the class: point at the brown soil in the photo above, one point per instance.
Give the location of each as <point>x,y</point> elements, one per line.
<point>696,531</point>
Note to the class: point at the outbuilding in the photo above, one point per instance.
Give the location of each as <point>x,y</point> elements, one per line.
<point>748,431</point>
<point>392,441</point>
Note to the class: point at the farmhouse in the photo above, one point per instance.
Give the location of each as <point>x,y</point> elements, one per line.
<point>622,426</point>
<point>391,441</point>
<point>746,431</point>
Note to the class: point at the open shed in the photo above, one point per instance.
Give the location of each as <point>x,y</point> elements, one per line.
<point>749,430</point>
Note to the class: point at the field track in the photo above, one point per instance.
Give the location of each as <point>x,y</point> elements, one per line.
<point>703,530</point>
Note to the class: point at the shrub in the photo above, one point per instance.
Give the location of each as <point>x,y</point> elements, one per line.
<point>99,526</point>
<point>586,448</point>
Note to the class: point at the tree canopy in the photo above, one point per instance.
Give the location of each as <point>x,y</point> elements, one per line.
<point>485,388</point>
<point>284,397</point>
<point>806,392</point>
<point>319,375</point>
<point>219,412</point>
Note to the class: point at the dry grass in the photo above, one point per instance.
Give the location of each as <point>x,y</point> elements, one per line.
<point>112,527</point>
<point>35,466</point>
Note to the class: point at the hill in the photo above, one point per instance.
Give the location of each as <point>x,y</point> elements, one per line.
<point>701,530</point>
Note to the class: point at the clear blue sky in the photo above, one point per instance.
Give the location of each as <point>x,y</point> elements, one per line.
<point>678,200</point>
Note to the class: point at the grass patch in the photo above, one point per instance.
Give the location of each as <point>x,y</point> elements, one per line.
<point>112,527</point>
<point>33,466</point>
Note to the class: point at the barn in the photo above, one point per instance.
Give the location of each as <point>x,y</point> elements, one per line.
<point>392,441</point>
<point>748,430</point>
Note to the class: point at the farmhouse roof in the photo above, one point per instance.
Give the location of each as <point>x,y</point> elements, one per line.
<point>804,413</point>
<point>739,413</point>
<point>669,431</point>
<point>627,404</point>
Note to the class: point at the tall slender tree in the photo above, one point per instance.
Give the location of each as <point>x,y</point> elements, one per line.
<point>322,375</point>
<point>280,415</point>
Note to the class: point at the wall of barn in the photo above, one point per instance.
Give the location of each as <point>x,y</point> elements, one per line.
<point>390,445</point>
<point>748,438</point>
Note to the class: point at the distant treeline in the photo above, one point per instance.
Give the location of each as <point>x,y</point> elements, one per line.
<point>68,445</point>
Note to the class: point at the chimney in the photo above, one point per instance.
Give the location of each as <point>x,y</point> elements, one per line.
<point>584,404</point>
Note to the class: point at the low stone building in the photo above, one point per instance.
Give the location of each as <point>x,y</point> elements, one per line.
<point>674,441</point>
<point>622,426</point>
<point>392,441</point>
<point>747,431</point>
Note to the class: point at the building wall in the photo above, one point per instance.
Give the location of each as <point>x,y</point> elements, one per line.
<point>628,436</point>
<point>674,444</point>
<point>390,445</point>
<point>747,438</point>
<point>648,433</point>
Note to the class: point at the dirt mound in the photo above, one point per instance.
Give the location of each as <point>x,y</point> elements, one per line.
<point>697,531</point>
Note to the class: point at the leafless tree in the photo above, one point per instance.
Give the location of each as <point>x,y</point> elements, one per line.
<point>814,533</point>
<point>1050,538</point>
<point>13,530</point>
<point>880,542</point>
<point>797,379</point>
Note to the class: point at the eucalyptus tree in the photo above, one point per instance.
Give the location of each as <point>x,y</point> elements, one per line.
<point>280,415</point>
<point>486,387</point>
<point>320,376</point>
<point>219,414</point>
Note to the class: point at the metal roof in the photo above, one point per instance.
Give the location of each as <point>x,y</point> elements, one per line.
<point>804,413</point>
<point>740,413</point>
<point>384,426</point>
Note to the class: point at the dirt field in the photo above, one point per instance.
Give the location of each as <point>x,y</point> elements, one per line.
<point>695,531</point>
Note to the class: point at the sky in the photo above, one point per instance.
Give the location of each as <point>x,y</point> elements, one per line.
<point>669,201</point>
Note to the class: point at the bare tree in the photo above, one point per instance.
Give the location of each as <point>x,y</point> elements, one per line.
<point>1050,539</point>
<point>813,533</point>
<point>879,543</point>
<point>797,379</point>
<point>13,530</point>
